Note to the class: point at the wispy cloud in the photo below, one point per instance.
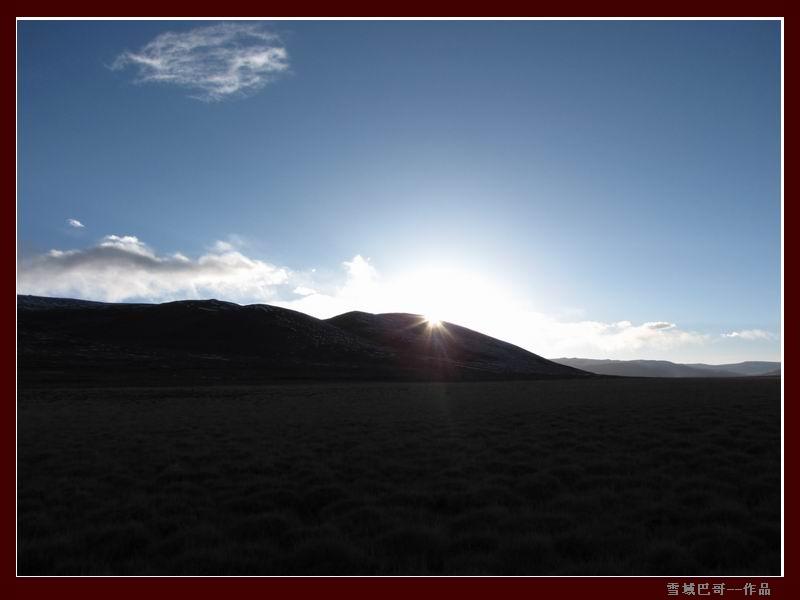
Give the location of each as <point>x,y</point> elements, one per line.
<point>75,223</point>
<point>750,335</point>
<point>213,62</point>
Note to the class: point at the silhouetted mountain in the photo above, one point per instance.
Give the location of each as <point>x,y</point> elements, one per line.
<point>451,348</point>
<point>210,340</point>
<point>664,368</point>
<point>775,373</point>
<point>750,367</point>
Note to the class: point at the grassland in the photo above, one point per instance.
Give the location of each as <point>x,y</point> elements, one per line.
<point>553,477</point>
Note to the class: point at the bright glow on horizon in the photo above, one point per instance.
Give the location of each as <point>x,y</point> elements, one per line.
<point>446,293</point>
<point>124,268</point>
<point>465,297</point>
<point>432,321</point>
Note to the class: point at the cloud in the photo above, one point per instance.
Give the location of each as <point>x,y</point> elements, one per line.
<point>362,289</point>
<point>128,243</point>
<point>596,338</point>
<point>302,290</point>
<point>75,223</point>
<point>214,62</point>
<point>750,334</point>
<point>659,325</point>
<point>121,268</point>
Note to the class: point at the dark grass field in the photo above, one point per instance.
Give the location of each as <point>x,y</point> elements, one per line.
<point>605,476</point>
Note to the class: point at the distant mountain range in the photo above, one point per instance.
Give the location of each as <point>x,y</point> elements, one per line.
<point>664,368</point>
<point>63,340</point>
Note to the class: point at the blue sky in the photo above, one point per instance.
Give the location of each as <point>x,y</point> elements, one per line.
<point>598,189</point>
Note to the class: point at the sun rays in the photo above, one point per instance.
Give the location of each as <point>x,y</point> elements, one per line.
<point>433,322</point>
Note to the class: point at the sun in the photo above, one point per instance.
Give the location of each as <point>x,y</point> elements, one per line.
<point>433,321</point>
<point>444,295</point>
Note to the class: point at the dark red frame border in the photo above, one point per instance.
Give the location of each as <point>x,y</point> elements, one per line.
<point>383,588</point>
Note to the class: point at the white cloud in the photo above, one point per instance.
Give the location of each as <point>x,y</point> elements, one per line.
<point>750,334</point>
<point>361,290</point>
<point>121,268</point>
<point>213,62</point>
<point>302,290</point>
<point>222,246</point>
<point>596,338</point>
<point>75,223</point>
<point>127,243</point>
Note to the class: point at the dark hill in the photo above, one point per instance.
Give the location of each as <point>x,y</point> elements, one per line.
<point>773,373</point>
<point>63,340</point>
<point>750,367</point>
<point>446,347</point>
<point>664,368</point>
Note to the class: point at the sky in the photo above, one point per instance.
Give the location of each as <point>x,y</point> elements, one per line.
<point>602,189</point>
